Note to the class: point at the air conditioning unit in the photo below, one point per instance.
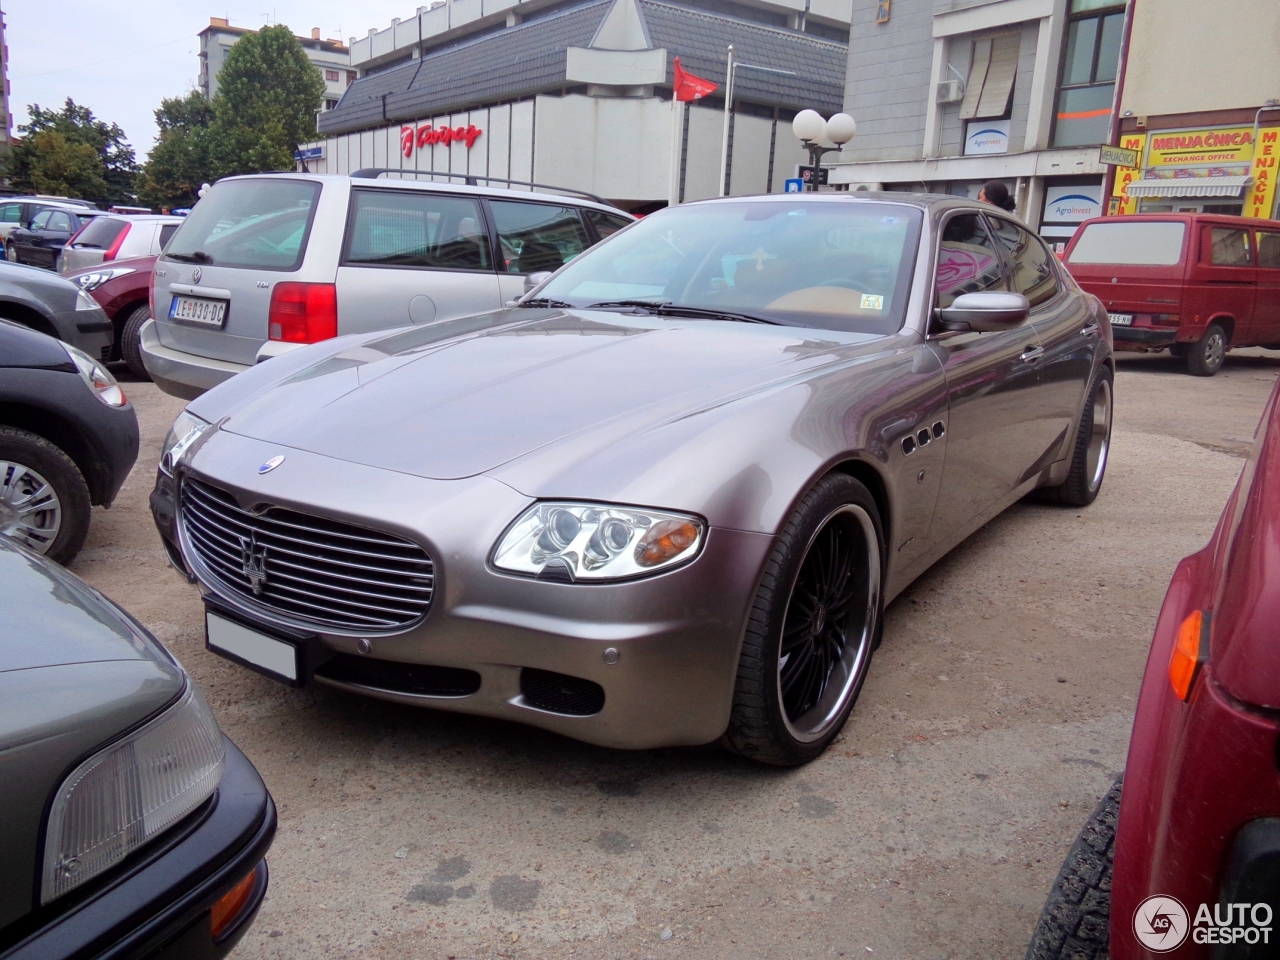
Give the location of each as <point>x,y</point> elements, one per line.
<point>865,186</point>
<point>950,91</point>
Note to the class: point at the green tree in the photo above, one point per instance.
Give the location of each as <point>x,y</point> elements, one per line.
<point>268,95</point>
<point>76,127</point>
<point>182,158</point>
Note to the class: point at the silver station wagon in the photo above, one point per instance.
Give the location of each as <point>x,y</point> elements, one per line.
<point>665,497</point>
<point>266,263</point>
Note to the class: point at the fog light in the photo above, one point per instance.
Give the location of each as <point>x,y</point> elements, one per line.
<point>230,907</point>
<point>1190,651</point>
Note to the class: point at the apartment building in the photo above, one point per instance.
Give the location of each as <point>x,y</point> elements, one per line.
<point>949,94</point>
<point>331,58</point>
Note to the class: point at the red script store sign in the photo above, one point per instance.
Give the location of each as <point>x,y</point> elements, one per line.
<point>412,138</point>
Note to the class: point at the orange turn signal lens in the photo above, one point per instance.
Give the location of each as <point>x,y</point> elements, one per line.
<point>228,909</point>
<point>1189,652</point>
<point>665,541</point>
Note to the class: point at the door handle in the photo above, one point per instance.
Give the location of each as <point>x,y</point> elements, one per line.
<point>1089,329</point>
<point>1032,354</point>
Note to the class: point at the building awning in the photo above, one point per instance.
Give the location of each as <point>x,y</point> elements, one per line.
<point>1189,187</point>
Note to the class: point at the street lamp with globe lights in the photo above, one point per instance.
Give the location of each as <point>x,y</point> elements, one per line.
<point>814,132</point>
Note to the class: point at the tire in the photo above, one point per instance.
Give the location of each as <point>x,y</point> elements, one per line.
<point>32,468</point>
<point>131,341</point>
<point>1206,356</point>
<point>1076,920</point>
<point>829,556</point>
<point>1093,445</point>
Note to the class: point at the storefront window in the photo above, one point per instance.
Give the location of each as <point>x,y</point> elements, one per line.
<point>1089,66</point>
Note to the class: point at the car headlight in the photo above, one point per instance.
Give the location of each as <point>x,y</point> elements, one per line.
<point>97,377</point>
<point>591,541</point>
<point>91,281</point>
<point>84,301</point>
<point>186,430</point>
<point>127,793</point>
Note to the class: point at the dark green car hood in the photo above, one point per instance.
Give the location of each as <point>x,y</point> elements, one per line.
<point>75,672</point>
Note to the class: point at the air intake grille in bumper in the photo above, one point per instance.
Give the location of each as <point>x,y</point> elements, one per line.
<point>557,693</point>
<point>415,678</point>
<point>311,569</point>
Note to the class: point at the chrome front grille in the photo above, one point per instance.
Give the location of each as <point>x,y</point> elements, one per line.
<point>308,568</point>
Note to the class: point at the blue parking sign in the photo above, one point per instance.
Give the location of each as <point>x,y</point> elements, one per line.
<point>794,185</point>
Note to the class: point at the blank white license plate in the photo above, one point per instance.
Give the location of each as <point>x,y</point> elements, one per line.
<point>254,649</point>
<point>195,310</point>
<point>1121,319</point>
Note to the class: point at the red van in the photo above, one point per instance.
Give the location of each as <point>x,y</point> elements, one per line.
<point>1192,282</point>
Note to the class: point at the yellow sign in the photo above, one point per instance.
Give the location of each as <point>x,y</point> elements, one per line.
<point>1126,176</point>
<point>1189,148</point>
<point>1261,200</point>
<point>1117,156</point>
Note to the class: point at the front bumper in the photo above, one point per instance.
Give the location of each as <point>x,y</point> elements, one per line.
<point>90,330</point>
<point>157,905</point>
<point>664,649</point>
<point>179,374</point>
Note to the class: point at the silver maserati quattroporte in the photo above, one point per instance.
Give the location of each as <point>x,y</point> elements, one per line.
<point>663,498</point>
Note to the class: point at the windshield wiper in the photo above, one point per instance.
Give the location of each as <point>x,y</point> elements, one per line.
<point>665,308</point>
<point>198,256</point>
<point>543,302</point>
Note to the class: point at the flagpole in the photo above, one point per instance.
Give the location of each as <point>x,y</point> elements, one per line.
<point>677,144</point>
<point>728,106</point>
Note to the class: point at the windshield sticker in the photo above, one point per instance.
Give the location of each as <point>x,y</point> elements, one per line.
<point>872,301</point>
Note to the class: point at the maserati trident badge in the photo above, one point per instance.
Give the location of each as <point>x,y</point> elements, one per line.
<point>253,562</point>
<point>271,464</point>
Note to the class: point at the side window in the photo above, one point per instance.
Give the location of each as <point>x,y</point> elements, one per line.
<point>1227,247</point>
<point>167,230</point>
<point>59,222</point>
<point>537,236</point>
<point>1032,263</point>
<point>606,224</point>
<point>1269,250</point>
<point>11,213</point>
<point>403,229</point>
<point>967,259</point>
<point>41,220</point>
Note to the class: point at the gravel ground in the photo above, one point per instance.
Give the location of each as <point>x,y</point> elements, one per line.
<point>996,713</point>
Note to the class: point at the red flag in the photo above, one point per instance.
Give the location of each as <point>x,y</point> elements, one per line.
<point>689,87</point>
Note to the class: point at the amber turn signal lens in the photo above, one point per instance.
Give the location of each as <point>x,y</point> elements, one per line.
<point>227,910</point>
<point>665,540</point>
<point>1187,654</point>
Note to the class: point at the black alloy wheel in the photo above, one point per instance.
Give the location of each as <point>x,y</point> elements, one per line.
<point>814,624</point>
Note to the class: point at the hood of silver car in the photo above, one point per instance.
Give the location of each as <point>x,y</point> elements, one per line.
<point>456,399</point>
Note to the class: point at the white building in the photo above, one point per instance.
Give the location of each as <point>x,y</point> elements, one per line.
<point>331,58</point>
<point>578,93</point>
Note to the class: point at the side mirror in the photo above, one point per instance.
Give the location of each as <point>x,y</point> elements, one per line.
<point>984,312</point>
<point>533,279</point>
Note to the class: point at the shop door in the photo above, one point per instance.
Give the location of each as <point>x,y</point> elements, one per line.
<point>1227,278</point>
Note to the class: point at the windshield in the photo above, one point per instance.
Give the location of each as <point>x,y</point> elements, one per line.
<point>836,265</point>
<point>260,224</point>
<point>1141,243</point>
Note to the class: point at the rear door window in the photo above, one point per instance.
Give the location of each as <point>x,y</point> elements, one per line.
<point>1269,250</point>
<point>400,228</point>
<point>968,261</point>
<point>11,213</point>
<point>100,233</point>
<point>1227,247</point>
<point>1141,244</point>
<point>259,224</point>
<point>1032,263</point>
<point>537,236</point>
<point>606,224</point>
<point>167,231</point>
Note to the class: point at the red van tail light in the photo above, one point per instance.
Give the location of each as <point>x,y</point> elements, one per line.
<point>303,312</point>
<point>1190,651</point>
<point>116,244</point>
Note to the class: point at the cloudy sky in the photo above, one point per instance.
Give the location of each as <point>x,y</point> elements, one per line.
<point>121,58</point>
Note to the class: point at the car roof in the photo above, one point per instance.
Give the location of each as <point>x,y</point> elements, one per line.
<point>436,186</point>
<point>934,204</point>
<point>144,217</point>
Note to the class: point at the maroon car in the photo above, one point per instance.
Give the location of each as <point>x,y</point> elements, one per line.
<point>122,288</point>
<point>1190,866</point>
